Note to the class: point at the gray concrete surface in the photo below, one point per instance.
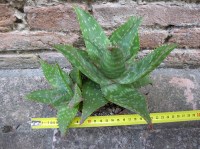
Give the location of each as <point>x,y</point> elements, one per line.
<point>173,90</point>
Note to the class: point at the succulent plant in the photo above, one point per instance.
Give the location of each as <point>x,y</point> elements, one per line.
<point>106,71</point>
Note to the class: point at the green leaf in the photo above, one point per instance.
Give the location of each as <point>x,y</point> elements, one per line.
<point>79,59</point>
<point>146,65</point>
<point>142,82</point>
<point>113,63</point>
<point>57,77</point>
<point>135,47</point>
<point>65,116</point>
<point>126,37</point>
<point>51,96</point>
<point>93,99</point>
<point>91,31</point>
<point>127,97</point>
<point>77,98</point>
<point>75,74</point>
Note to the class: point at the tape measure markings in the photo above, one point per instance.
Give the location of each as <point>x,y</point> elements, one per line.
<point>119,120</point>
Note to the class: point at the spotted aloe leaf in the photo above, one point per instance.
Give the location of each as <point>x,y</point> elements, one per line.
<point>75,74</point>
<point>79,59</point>
<point>146,65</point>
<point>57,77</point>
<point>113,63</point>
<point>127,97</point>
<point>77,98</point>
<point>143,82</point>
<point>50,96</point>
<point>91,31</point>
<point>93,99</point>
<point>126,37</point>
<point>65,115</point>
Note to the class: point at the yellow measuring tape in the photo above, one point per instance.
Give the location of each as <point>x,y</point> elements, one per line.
<point>119,120</point>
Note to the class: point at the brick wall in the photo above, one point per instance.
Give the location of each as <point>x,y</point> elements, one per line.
<point>28,30</point>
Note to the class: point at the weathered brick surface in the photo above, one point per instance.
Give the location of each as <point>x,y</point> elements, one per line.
<point>13,61</point>
<point>189,37</point>
<point>162,14</point>
<point>152,38</point>
<point>43,2</point>
<point>7,18</point>
<point>183,58</point>
<point>5,29</point>
<point>24,61</point>
<point>52,18</point>
<point>62,17</point>
<point>33,40</point>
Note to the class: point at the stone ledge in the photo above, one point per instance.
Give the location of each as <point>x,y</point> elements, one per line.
<point>105,137</point>
<point>26,140</point>
<point>172,90</point>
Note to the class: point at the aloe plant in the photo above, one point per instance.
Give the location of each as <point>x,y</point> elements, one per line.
<point>106,71</point>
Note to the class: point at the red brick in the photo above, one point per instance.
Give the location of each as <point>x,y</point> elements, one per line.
<point>33,40</point>
<point>165,14</point>
<point>152,38</point>
<point>189,37</point>
<point>161,14</point>
<point>7,18</point>
<point>52,18</point>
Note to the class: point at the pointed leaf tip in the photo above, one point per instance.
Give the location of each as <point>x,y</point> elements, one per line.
<point>126,36</point>
<point>93,99</point>
<point>127,97</point>
<point>56,77</point>
<point>93,34</point>
<point>65,116</point>
<point>146,65</point>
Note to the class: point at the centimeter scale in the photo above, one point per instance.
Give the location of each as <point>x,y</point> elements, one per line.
<point>119,120</point>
